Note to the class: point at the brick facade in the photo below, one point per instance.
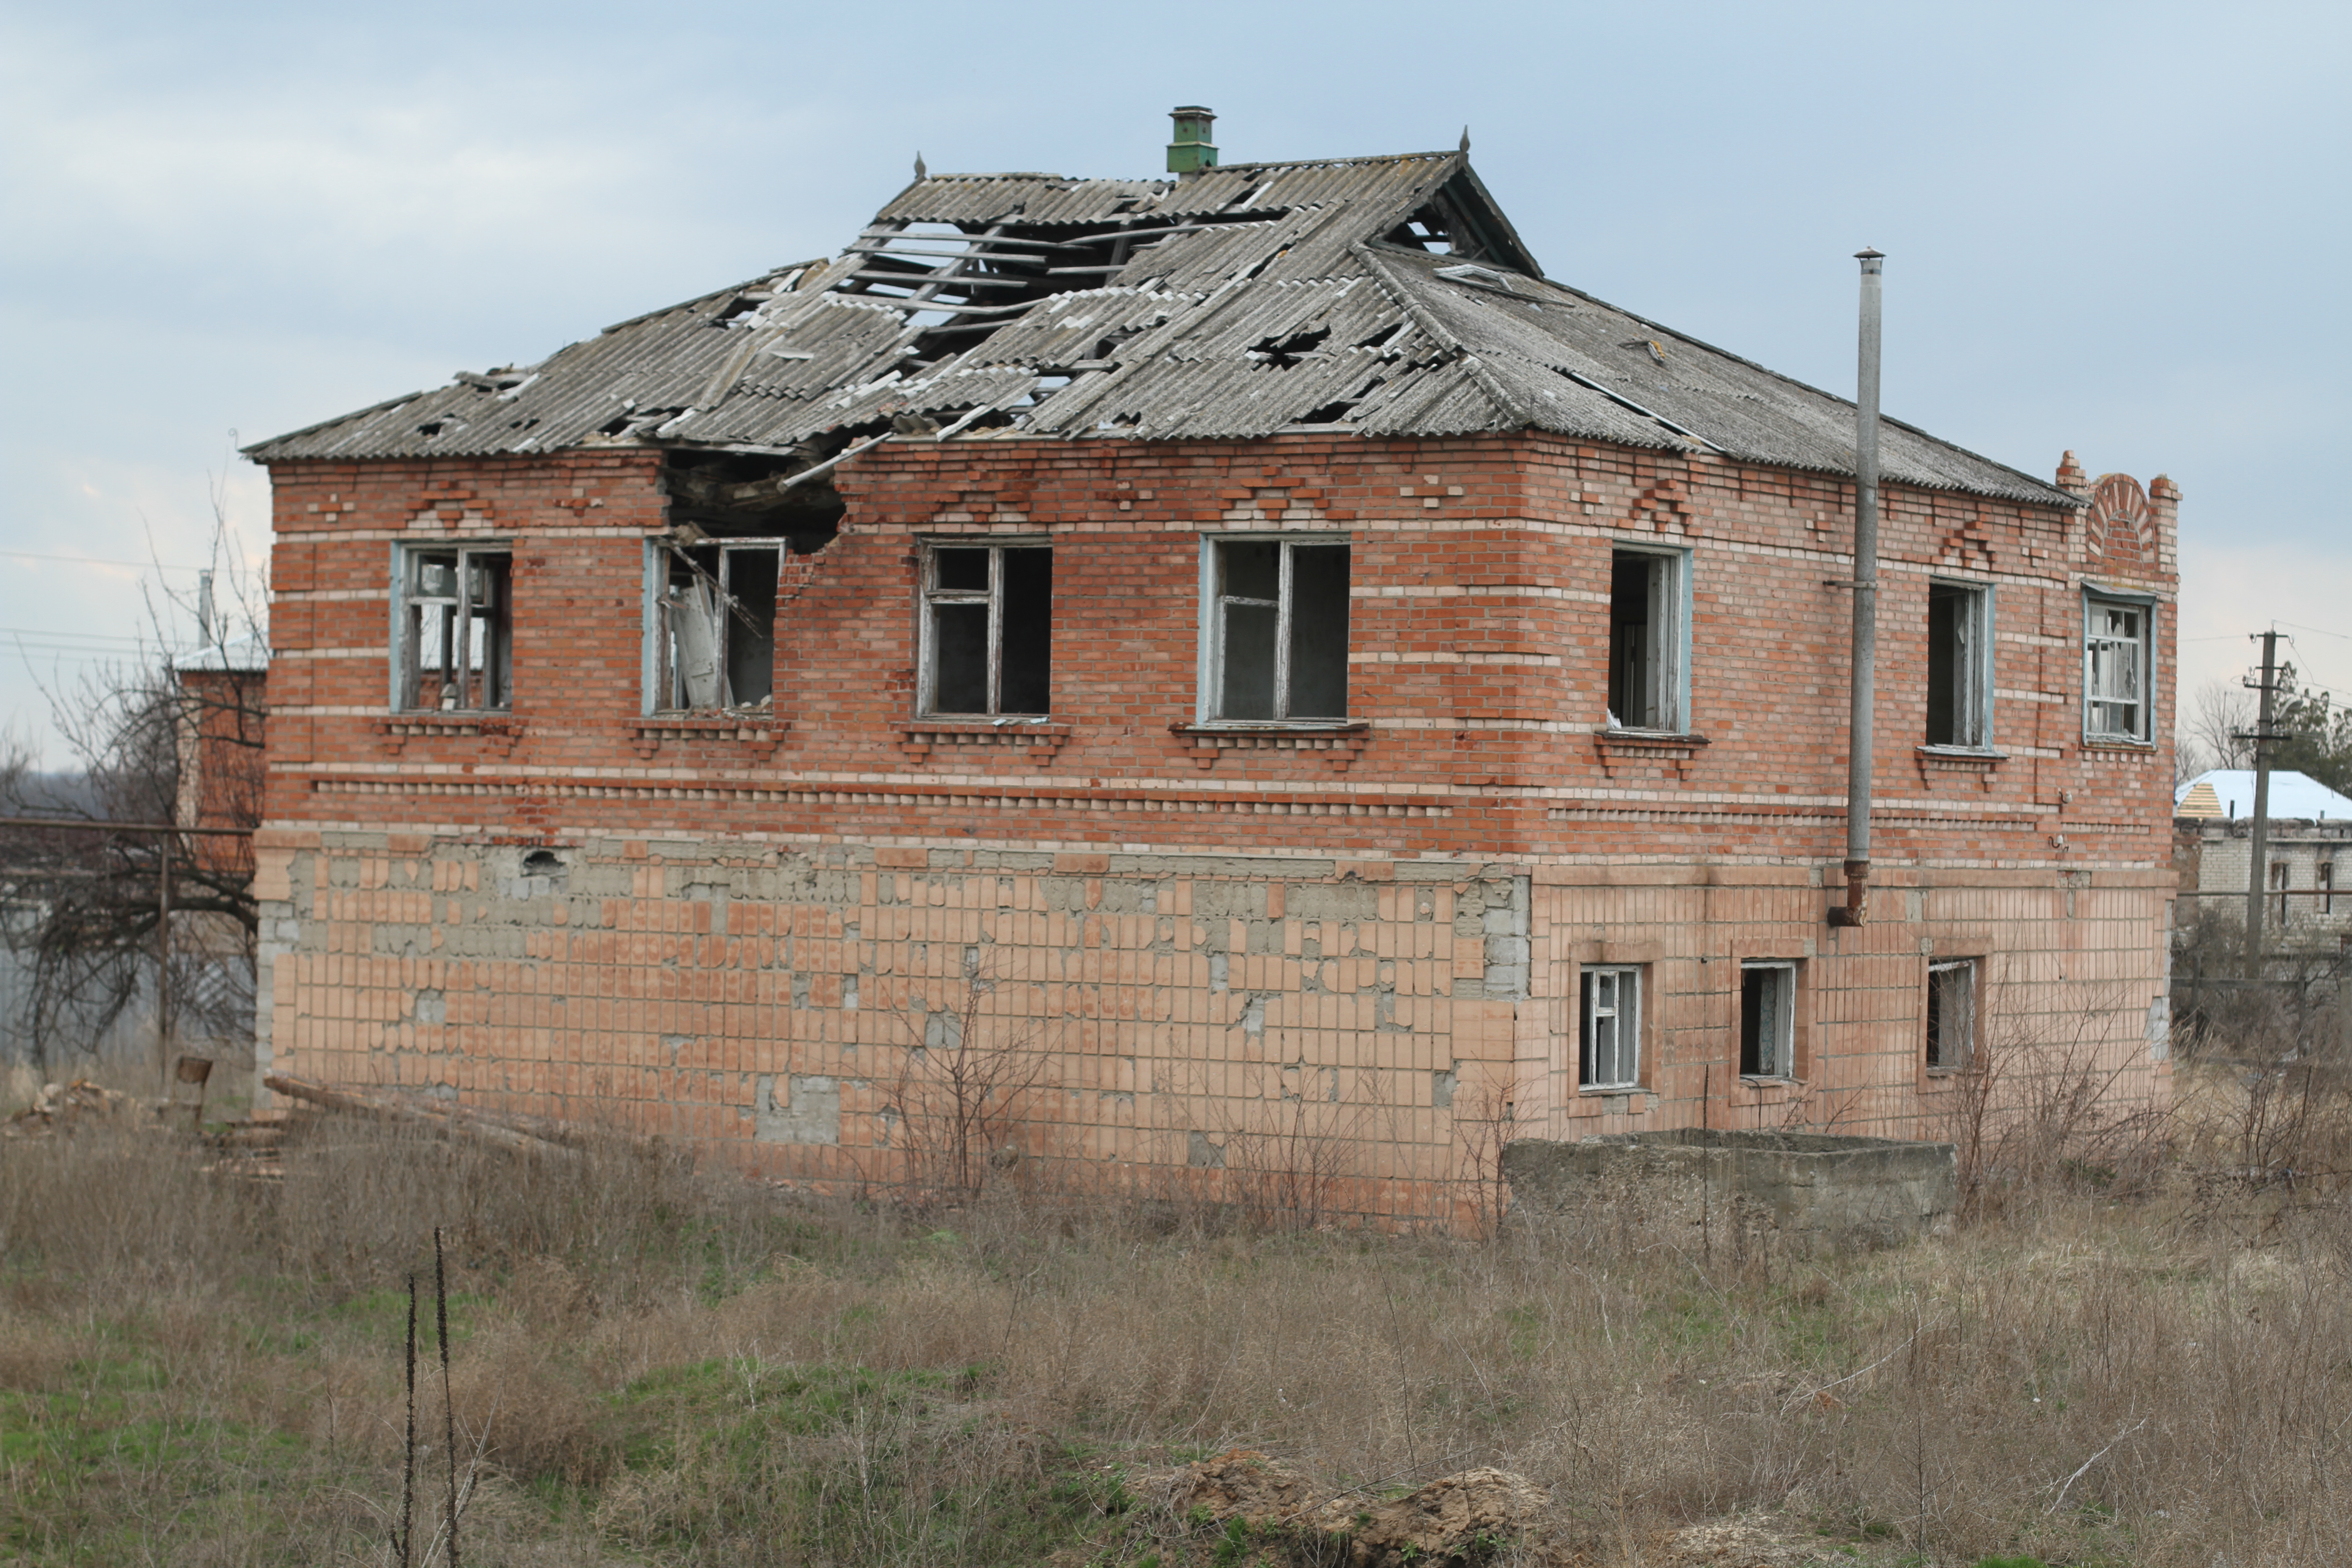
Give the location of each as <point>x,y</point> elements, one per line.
<point>1207,944</point>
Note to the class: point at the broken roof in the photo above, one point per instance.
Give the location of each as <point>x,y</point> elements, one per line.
<point>1383,297</point>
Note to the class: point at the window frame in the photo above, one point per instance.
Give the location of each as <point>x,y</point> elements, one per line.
<point>1673,682</point>
<point>661,676</point>
<point>1784,1056</point>
<point>2144,605</point>
<point>1211,679</point>
<point>1629,1033</point>
<point>1976,671</point>
<point>1930,1033</point>
<point>407,557</point>
<point>929,597</point>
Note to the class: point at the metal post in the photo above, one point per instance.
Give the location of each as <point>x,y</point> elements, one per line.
<point>2258,850</point>
<point>1861,685</point>
<point>163,965</point>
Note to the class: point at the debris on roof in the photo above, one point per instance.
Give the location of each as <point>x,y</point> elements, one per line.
<point>1380,297</point>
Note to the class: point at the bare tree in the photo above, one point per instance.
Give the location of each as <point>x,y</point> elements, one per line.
<point>2210,736</point>
<point>101,918</point>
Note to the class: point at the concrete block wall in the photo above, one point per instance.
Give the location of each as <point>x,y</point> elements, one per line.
<point>1180,1023</point>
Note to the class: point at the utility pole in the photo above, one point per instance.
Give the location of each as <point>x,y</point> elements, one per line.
<point>2258,850</point>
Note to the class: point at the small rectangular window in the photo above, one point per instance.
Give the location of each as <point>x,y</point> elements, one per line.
<point>1611,1058</point>
<point>456,632</point>
<point>1951,1014</point>
<point>988,631</point>
<point>2327,886</point>
<point>716,640</point>
<point>1279,630</point>
<point>1768,1020</point>
<point>2116,661</point>
<point>2281,879</point>
<point>1645,641</point>
<point>1959,665</point>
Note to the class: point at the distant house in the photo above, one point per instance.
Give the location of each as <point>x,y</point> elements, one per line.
<point>1315,684</point>
<point>2310,830</point>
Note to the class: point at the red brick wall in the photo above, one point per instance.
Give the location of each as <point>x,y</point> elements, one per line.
<point>1480,583</point>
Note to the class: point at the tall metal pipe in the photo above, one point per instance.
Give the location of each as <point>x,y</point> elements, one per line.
<point>1863,684</point>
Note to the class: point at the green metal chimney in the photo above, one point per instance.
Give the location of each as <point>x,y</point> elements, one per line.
<point>1192,150</point>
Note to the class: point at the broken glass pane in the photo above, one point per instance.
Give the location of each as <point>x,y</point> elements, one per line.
<point>959,571</point>
<point>1319,632</point>
<point>1026,641</point>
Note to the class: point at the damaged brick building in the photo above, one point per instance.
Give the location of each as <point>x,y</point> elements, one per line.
<point>1247,647</point>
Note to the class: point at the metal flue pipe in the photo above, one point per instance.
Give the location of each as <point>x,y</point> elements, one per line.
<point>1862,683</point>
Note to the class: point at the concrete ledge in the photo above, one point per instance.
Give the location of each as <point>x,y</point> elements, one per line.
<point>1797,1192</point>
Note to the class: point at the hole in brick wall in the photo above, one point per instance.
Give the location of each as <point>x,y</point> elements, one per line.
<point>542,863</point>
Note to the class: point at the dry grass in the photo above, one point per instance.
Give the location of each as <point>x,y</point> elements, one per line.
<point>667,1366</point>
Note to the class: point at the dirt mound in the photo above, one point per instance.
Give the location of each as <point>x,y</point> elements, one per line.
<point>1472,1513</point>
<point>1240,1483</point>
<point>1452,1518</point>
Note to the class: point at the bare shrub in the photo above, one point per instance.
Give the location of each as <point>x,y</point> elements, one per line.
<point>964,1084</point>
<point>2036,1109</point>
<point>1289,1160</point>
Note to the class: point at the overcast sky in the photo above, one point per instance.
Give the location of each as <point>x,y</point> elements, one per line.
<point>2119,228</point>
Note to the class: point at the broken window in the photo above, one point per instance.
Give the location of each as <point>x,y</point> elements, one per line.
<point>1767,1019</point>
<point>1646,640</point>
<point>1278,648</point>
<point>2117,664</point>
<point>2325,879</point>
<point>715,607</point>
<point>1611,1058</point>
<point>1951,1014</point>
<point>454,634</point>
<point>1959,665</point>
<point>988,624</point>
<point>2281,879</point>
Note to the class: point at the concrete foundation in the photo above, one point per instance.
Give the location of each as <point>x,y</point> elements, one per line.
<point>1797,1192</point>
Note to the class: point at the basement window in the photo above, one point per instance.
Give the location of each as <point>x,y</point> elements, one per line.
<point>715,616</point>
<point>1959,665</point>
<point>988,624</point>
<point>1611,1057</point>
<point>453,630</point>
<point>1768,1020</point>
<point>2117,662</point>
<point>1951,1014</point>
<point>1648,640</point>
<point>1278,621</point>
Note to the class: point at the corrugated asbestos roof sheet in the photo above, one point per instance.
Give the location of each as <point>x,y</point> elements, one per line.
<point>1384,297</point>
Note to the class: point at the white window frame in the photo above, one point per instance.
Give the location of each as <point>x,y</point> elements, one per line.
<point>1624,1012</point>
<point>408,603</point>
<point>1973,996</point>
<point>1779,1054</point>
<point>1670,598</point>
<point>1213,601</point>
<point>1973,700</point>
<point>663,694</point>
<point>2096,602</point>
<point>934,596</point>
